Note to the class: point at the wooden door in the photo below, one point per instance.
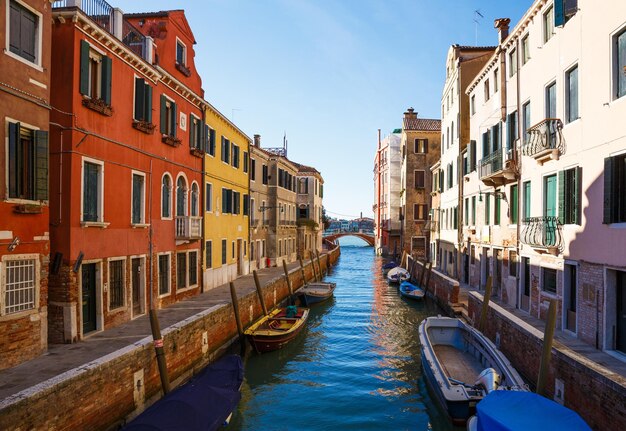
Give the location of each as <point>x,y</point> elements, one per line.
<point>620,318</point>
<point>136,285</point>
<point>88,282</point>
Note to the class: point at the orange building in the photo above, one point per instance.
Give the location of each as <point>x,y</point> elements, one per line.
<point>24,239</point>
<point>126,152</point>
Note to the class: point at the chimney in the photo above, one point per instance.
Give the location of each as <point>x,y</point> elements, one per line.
<point>502,24</point>
<point>410,113</point>
<point>257,141</point>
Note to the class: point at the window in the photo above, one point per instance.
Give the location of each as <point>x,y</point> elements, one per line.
<point>466,215</point>
<point>511,128</point>
<point>95,74</point>
<point>495,80</point>
<point>569,195</point>
<point>116,284</point>
<point>224,249</point>
<point>138,199</point>
<point>564,10</point>
<point>525,50</point>
<point>548,276</point>
<point>208,254</point>
<point>420,212</point>
<point>168,116</point>
<point>495,137</point>
<point>497,209</point>
<point>19,287</point>
<point>512,263</point>
<point>245,161</point>
<point>24,33</point>
<point>526,121</point>
<point>252,169</point>
<point>233,249</point>
<point>265,174</point>
<point>526,200</point>
<point>28,163</point>
<point>472,156</point>
<point>615,189</point>
<point>143,101</point>
<point>513,62</point>
<point>193,268</point>
<point>419,179</point>
<point>181,53</point>
<point>421,146</point>
<point>551,100</point>
<point>486,86</point>
<point>225,150</point>
<point>210,140</point>
<point>450,176</point>
<point>236,202</point>
<point>227,201</point>
<point>166,197</point>
<point>195,132</point>
<point>487,209</point>
<point>473,210</point>
<point>246,205</point>
<point>548,24</point>
<point>208,197</point>
<point>619,49</point>
<point>181,197</point>
<point>473,104</point>
<point>164,274</point>
<point>235,156</point>
<point>571,94</point>
<point>181,270</point>
<point>513,203</point>
<point>92,191</point>
<point>194,199</point>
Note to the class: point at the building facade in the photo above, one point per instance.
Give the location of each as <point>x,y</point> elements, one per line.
<point>310,194</point>
<point>24,192</point>
<point>420,143</point>
<point>126,158</point>
<point>259,198</point>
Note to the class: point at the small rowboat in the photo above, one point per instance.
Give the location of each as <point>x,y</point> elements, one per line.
<point>275,330</point>
<point>409,290</point>
<point>398,275</point>
<point>389,266</point>
<point>314,293</point>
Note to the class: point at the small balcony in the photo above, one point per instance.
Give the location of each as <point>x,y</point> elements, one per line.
<point>498,168</point>
<point>188,227</point>
<point>545,141</point>
<point>544,234</point>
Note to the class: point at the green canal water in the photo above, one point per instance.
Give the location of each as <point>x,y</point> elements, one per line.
<point>356,366</point>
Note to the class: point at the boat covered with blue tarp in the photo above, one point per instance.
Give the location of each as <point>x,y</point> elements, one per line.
<point>520,410</point>
<point>206,402</point>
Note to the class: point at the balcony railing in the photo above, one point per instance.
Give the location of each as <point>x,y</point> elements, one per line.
<point>106,17</point>
<point>543,233</point>
<point>497,167</point>
<point>545,140</point>
<point>188,227</point>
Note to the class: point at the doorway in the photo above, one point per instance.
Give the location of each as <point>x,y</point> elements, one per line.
<point>620,315</point>
<point>549,206</point>
<point>525,280</point>
<point>88,287</point>
<point>497,271</point>
<point>484,263</point>
<point>137,278</point>
<point>569,296</point>
<point>239,258</point>
<point>466,268</point>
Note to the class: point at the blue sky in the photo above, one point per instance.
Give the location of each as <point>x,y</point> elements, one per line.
<point>330,73</point>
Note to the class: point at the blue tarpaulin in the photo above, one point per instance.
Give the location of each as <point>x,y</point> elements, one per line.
<point>204,403</point>
<point>520,410</point>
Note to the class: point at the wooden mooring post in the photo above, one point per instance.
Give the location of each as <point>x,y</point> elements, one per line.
<point>430,268</point>
<point>546,354</point>
<point>291,299</point>
<point>421,284</point>
<point>313,265</point>
<point>319,265</point>
<point>160,353</point>
<point>259,291</point>
<point>233,294</point>
<point>485,308</point>
<point>304,283</point>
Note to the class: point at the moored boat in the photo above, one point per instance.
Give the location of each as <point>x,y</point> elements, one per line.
<point>206,402</point>
<point>509,411</point>
<point>314,293</point>
<point>389,266</point>
<point>462,366</point>
<point>398,275</point>
<point>275,330</point>
<point>411,291</point>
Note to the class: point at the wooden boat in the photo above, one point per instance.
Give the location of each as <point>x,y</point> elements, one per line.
<point>314,293</point>
<point>205,402</point>
<point>411,291</point>
<point>275,330</point>
<point>389,266</point>
<point>398,275</point>
<point>461,366</point>
<point>509,411</point>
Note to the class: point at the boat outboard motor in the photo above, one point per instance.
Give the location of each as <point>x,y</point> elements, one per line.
<point>488,379</point>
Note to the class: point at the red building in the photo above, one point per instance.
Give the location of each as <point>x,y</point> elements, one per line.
<point>126,153</point>
<point>24,239</point>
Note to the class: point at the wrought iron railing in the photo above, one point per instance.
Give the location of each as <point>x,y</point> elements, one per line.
<point>188,227</point>
<point>545,135</point>
<point>132,38</point>
<point>542,232</point>
<point>491,164</point>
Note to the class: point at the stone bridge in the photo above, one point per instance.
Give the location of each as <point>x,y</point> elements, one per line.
<point>368,238</point>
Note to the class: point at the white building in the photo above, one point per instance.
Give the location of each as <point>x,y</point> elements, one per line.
<point>387,186</point>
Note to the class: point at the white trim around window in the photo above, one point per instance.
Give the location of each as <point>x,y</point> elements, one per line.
<point>169,274</point>
<point>171,190</point>
<point>100,222</point>
<point>21,263</point>
<point>180,42</point>
<point>109,286</point>
<point>142,215</point>
<point>208,197</point>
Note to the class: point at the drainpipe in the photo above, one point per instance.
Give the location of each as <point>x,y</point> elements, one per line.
<point>459,175</point>
<point>518,166</point>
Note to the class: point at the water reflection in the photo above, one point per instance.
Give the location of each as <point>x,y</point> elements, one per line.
<point>355,367</point>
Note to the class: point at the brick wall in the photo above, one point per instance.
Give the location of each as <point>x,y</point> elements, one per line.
<point>443,289</point>
<point>594,392</point>
<point>77,394</point>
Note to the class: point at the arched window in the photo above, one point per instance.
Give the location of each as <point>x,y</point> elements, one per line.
<point>166,198</point>
<point>194,199</point>
<point>181,197</point>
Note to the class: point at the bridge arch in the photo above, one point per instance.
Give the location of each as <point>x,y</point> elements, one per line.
<point>369,239</point>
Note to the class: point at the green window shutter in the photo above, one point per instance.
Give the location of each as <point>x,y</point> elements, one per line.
<point>41,165</point>
<point>105,91</point>
<point>496,216</point>
<point>14,139</point>
<point>84,67</point>
<point>148,104</point>
<point>508,132</point>
<point>514,204</point>
<point>205,137</point>
<point>139,99</point>
<point>472,158</point>
<point>174,116</point>
<point>561,197</point>
<point>487,209</point>
<point>192,129</point>
<point>559,13</point>
<point>577,195</point>
<point>609,185</point>
<point>485,144</point>
<point>224,201</point>
<point>212,142</point>
<point>163,119</point>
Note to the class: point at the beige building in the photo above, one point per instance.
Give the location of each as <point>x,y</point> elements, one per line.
<point>310,190</point>
<point>259,198</point>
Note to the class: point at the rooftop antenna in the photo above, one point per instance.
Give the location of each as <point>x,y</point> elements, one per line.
<point>477,16</point>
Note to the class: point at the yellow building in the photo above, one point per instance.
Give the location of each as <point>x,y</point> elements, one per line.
<point>226,201</point>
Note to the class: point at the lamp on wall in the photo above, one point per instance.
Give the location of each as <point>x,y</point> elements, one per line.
<point>14,243</point>
<point>496,193</point>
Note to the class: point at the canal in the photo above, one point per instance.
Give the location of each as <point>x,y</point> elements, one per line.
<point>355,367</point>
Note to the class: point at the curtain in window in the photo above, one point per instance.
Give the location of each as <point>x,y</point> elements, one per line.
<point>90,192</point>
<point>181,195</point>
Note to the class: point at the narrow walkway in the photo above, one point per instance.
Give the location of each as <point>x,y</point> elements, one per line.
<point>64,357</point>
